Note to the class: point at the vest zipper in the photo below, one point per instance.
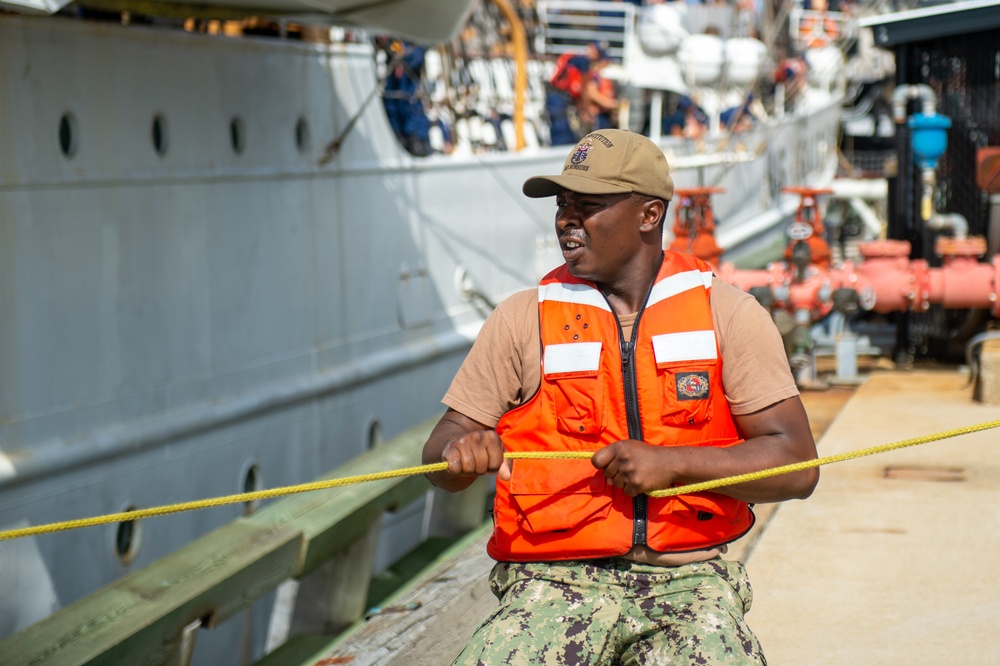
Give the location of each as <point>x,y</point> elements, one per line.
<point>629,381</point>
<point>639,502</point>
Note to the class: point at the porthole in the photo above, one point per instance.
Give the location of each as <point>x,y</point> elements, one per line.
<point>128,538</point>
<point>302,134</point>
<point>68,135</point>
<point>375,437</point>
<point>250,484</point>
<point>237,132</point>
<point>159,134</point>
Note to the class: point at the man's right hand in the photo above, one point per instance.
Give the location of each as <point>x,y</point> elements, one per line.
<point>470,448</point>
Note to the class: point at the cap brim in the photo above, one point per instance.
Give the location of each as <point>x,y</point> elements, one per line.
<point>549,186</point>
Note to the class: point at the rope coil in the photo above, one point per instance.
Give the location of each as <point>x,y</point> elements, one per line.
<point>438,467</point>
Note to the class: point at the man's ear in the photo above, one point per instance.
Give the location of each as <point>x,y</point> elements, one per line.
<point>653,215</point>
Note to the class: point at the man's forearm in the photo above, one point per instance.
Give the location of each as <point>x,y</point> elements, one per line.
<point>707,464</point>
<point>443,433</point>
<point>471,449</point>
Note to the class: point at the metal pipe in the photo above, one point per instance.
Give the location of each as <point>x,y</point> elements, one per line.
<point>954,222</point>
<point>904,93</point>
<point>971,358</point>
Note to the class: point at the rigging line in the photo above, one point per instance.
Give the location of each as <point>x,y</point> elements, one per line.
<point>437,467</point>
<point>333,147</point>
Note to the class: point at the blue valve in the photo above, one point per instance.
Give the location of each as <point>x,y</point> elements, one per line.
<point>929,138</point>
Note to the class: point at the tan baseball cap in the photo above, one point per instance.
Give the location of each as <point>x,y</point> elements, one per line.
<point>609,161</point>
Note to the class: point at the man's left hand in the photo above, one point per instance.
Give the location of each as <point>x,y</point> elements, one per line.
<point>635,467</point>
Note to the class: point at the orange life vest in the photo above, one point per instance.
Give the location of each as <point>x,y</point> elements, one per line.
<point>818,30</point>
<point>567,76</point>
<point>664,387</point>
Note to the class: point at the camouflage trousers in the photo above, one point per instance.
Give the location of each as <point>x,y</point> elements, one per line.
<point>615,611</point>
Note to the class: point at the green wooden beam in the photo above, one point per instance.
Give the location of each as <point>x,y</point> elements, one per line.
<point>140,618</point>
<point>331,520</point>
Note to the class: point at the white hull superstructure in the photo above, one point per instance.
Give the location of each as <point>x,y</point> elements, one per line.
<point>194,302</point>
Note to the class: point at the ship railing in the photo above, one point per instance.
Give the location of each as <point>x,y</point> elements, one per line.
<point>324,539</point>
<point>567,26</point>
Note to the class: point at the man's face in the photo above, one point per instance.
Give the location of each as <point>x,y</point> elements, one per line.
<point>598,233</point>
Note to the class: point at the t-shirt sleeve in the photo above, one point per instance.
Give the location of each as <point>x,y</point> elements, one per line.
<point>755,370</point>
<point>489,382</point>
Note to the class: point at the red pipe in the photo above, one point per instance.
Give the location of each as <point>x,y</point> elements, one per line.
<point>886,281</point>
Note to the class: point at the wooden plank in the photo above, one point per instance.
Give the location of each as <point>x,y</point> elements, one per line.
<point>139,618</point>
<point>425,624</point>
<point>297,649</point>
<point>332,597</point>
<point>331,520</point>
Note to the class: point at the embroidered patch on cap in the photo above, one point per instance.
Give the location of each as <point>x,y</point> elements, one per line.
<point>581,152</point>
<point>692,386</point>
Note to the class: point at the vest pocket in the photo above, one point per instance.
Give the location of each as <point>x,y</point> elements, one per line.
<point>571,370</point>
<point>689,522</point>
<point>557,495</point>
<point>686,392</point>
<point>578,400</point>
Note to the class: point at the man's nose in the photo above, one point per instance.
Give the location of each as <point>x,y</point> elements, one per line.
<point>568,216</point>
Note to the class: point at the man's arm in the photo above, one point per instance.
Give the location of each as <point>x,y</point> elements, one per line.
<point>776,435</point>
<point>470,448</point>
<point>593,94</point>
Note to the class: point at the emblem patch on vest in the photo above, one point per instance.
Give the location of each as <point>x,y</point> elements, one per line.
<point>692,386</point>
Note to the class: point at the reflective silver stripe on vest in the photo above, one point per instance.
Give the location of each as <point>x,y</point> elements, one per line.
<point>678,283</point>
<point>572,293</point>
<point>572,357</point>
<point>686,346</point>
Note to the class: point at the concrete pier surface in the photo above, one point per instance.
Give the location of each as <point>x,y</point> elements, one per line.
<point>892,561</point>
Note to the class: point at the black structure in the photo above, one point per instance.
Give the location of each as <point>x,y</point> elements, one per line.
<point>954,48</point>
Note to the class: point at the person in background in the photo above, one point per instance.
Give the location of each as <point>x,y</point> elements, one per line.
<point>747,19</point>
<point>739,118</point>
<point>578,97</point>
<point>403,103</point>
<point>791,73</point>
<point>818,27</point>
<point>564,88</point>
<point>687,120</point>
<point>598,104</point>
<point>661,376</point>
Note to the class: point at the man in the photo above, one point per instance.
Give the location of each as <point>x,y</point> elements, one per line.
<point>817,28</point>
<point>401,96</point>
<point>667,377</point>
<point>598,102</point>
<point>577,82</point>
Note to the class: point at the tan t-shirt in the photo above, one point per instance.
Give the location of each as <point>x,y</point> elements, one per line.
<point>503,369</point>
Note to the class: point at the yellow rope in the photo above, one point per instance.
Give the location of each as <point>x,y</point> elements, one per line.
<point>218,501</point>
<point>826,460</point>
<point>783,469</point>
<point>437,467</point>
